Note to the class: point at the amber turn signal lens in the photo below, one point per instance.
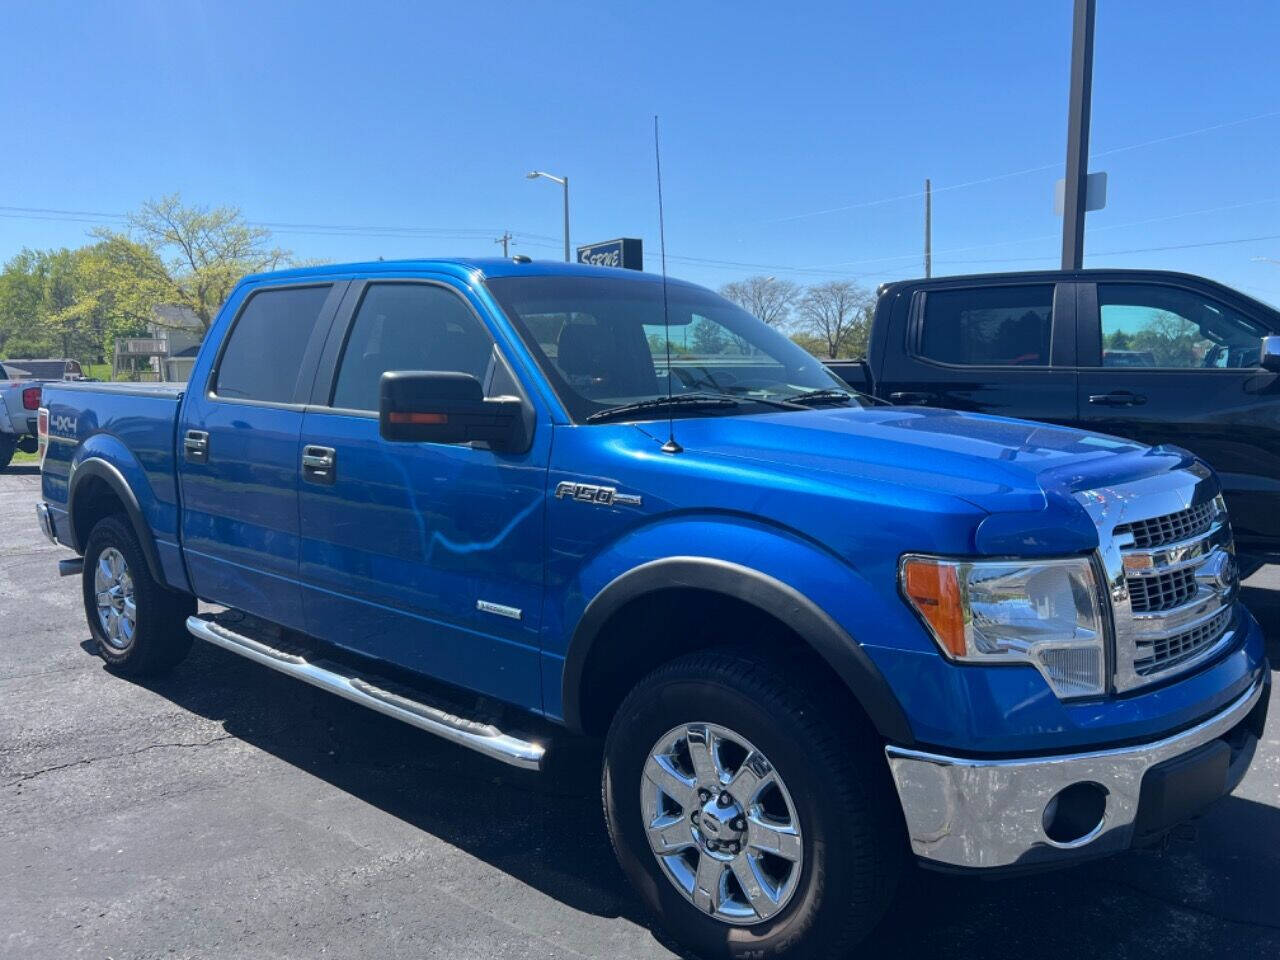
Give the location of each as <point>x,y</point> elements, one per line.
<point>934,590</point>
<point>400,416</point>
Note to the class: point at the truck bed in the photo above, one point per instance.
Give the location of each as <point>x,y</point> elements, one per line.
<point>132,427</point>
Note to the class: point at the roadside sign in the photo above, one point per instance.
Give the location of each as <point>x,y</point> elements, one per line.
<point>627,252</point>
<point>1095,193</point>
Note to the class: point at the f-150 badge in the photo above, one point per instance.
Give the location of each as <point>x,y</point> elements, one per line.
<point>591,493</point>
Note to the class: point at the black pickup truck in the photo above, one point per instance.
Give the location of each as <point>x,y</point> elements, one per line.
<point>1164,358</point>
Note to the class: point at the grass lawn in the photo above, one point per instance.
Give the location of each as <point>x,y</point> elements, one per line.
<point>20,457</point>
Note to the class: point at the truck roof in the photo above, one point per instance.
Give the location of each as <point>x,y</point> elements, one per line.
<point>487,267</point>
<point>1092,275</point>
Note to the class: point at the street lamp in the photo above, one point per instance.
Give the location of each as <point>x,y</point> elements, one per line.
<point>564,182</point>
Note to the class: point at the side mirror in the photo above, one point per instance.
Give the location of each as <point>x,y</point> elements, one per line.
<point>435,407</point>
<point>1269,355</point>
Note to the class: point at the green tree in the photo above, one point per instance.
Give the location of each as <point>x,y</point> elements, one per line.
<point>193,256</point>
<point>1119,340</point>
<point>709,338</point>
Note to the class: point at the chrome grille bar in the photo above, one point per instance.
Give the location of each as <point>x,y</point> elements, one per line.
<point>1165,545</point>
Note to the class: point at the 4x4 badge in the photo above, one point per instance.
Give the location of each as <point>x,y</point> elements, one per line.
<point>591,493</point>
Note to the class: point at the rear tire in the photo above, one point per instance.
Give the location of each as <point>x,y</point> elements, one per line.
<point>138,625</point>
<point>829,797</point>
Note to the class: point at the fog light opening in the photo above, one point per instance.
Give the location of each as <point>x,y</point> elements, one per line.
<point>1075,814</point>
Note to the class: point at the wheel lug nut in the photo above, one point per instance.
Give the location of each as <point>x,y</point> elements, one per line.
<point>733,847</point>
<point>694,816</point>
<point>704,795</point>
<point>724,799</point>
<point>739,823</point>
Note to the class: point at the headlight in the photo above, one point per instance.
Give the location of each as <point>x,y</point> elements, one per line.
<point>1046,613</point>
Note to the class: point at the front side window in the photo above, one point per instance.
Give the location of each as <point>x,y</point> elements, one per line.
<point>1146,325</point>
<point>602,343</point>
<point>408,326</point>
<point>263,355</point>
<point>989,326</point>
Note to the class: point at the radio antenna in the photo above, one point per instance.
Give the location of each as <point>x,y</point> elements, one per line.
<point>670,446</point>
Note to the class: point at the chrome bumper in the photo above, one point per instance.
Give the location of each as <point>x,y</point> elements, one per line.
<point>966,813</point>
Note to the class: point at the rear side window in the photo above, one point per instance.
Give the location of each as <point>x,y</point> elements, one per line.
<point>263,355</point>
<point>408,326</point>
<point>990,326</point>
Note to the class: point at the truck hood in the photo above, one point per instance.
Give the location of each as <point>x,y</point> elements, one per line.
<point>1028,473</point>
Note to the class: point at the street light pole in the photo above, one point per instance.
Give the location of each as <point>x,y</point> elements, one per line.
<point>564,182</point>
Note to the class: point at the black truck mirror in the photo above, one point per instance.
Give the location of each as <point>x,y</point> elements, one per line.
<point>1269,354</point>
<point>443,407</point>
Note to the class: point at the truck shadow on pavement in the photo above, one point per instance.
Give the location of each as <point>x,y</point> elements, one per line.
<point>1213,891</point>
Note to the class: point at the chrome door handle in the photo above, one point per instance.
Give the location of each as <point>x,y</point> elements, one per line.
<point>319,464</point>
<point>912,397</point>
<point>195,446</point>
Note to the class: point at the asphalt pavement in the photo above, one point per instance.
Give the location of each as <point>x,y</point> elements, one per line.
<point>228,811</point>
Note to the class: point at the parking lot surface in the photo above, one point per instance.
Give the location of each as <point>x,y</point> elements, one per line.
<point>227,811</point>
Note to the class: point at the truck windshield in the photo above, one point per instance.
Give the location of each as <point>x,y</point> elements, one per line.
<point>602,343</point>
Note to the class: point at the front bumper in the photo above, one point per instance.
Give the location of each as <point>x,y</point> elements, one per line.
<point>964,813</point>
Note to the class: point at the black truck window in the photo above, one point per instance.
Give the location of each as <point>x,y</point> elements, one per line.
<point>408,326</point>
<point>984,326</point>
<point>263,354</point>
<point>1148,325</point>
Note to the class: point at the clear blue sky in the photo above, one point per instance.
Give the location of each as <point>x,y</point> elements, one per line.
<point>428,116</point>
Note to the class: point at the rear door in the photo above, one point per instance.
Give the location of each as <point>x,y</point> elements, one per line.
<point>1170,363</point>
<point>238,451</point>
<point>1000,348</point>
<point>426,555</point>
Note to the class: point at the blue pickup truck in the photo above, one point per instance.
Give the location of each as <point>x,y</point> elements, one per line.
<point>507,502</point>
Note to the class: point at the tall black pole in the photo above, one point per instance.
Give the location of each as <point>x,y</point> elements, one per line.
<point>928,228</point>
<point>1073,204</point>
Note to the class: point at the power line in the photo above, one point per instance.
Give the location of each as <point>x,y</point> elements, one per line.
<point>1053,236</point>
<point>863,204</point>
<point>1119,253</point>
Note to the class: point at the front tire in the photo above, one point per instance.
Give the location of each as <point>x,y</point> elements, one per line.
<point>138,626</point>
<point>754,817</point>
<point>8,444</point>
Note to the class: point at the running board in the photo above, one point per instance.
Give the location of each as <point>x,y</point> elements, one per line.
<point>481,737</point>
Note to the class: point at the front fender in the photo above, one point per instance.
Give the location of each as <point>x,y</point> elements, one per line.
<point>795,580</point>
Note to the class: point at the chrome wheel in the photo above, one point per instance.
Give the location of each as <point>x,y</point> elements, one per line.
<point>113,594</point>
<point>721,823</point>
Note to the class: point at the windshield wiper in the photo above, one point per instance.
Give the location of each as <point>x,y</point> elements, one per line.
<point>689,401</point>
<point>815,398</point>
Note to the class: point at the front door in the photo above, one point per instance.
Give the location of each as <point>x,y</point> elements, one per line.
<point>426,555</point>
<point>238,451</point>
<point>1005,349</point>
<point>1163,363</point>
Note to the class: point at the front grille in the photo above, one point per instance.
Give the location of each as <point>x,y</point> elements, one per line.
<point>1170,528</point>
<point>1169,574</point>
<point>1163,592</point>
<point>1159,655</point>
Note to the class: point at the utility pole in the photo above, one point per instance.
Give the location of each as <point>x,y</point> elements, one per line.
<point>1075,192</point>
<point>505,239</point>
<point>928,228</point>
